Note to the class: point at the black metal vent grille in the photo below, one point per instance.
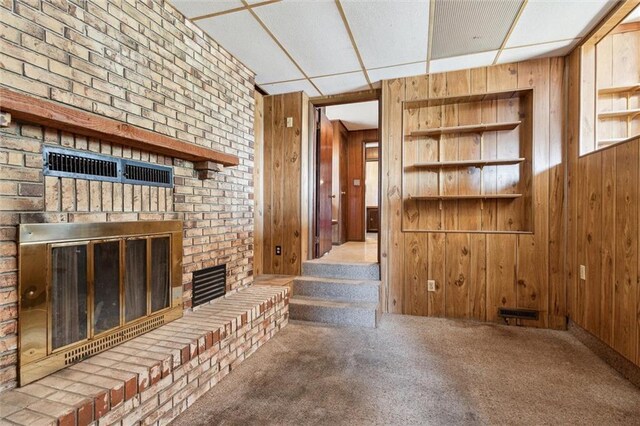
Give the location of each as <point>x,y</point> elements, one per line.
<point>81,165</point>
<point>517,313</point>
<point>135,172</point>
<point>63,162</point>
<point>208,284</point>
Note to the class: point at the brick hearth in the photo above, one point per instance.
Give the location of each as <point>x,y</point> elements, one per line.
<point>156,376</point>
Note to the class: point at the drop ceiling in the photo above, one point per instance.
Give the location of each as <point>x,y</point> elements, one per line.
<point>324,47</point>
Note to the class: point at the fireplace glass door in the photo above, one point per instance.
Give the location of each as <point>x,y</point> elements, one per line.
<point>122,280</point>
<point>68,294</point>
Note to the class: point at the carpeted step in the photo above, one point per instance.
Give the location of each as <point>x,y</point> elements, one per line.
<point>337,289</point>
<point>354,271</point>
<point>333,312</point>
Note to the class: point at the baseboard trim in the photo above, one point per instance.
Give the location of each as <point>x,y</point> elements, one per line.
<point>626,368</point>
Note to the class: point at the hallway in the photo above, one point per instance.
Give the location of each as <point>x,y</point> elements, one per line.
<point>355,251</point>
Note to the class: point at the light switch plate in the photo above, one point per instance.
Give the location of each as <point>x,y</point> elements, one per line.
<point>289,121</point>
<point>431,285</point>
<point>583,272</point>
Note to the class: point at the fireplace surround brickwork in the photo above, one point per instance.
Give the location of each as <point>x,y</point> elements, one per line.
<point>140,62</point>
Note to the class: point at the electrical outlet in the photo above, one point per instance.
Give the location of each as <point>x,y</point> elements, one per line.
<point>431,285</point>
<point>583,272</point>
<point>289,121</point>
<point>278,250</point>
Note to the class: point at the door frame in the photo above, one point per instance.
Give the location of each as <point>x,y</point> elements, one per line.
<point>324,101</point>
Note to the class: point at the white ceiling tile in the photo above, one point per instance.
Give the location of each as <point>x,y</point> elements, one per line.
<point>517,54</point>
<point>397,71</point>
<point>553,20</point>
<point>462,62</point>
<point>191,9</point>
<point>341,83</point>
<point>240,34</point>
<point>313,33</point>
<point>358,116</point>
<point>290,86</point>
<point>389,33</point>
<point>634,16</point>
<point>463,27</point>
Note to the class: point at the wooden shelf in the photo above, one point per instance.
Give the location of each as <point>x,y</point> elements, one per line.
<point>474,128</point>
<point>619,89</point>
<point>52,114</point>
<point>607,142</point>
<point>465,163</point>
<point>619,113</point>
<point>465,197</point>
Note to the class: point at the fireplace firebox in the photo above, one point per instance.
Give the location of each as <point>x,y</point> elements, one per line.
<point>87,287</point>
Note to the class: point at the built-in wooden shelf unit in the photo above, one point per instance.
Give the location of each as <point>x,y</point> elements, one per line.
<point>466,163</point>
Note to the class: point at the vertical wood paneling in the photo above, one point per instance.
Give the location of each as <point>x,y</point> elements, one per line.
<point>557,210</point>
<point>258,187</point>
<point>282,177</point>
<point>476,273</point>
<point>393,195</point>
<point>267,245</point>
<point>533,274</point>
<point>501,273</point>
<point>608,250</point>
<point>415,270</point>
<point>458,266</point>
<point>626,287</point>
<point>436,264</point>
<point>291,211</point>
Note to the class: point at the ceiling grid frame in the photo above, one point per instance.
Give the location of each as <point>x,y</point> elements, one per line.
<point>275,39</point>
<point>345,21</point>
<point>389,67</point>
<point>513,27</point>
<point>233,10</point>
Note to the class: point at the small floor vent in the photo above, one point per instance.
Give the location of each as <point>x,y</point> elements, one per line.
<point>518,313</point>
<point>209,284</point>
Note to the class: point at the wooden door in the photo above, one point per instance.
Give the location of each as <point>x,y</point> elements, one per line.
<point>324,159</point>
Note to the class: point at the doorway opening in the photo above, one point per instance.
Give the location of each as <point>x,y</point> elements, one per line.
<point>347,182</point>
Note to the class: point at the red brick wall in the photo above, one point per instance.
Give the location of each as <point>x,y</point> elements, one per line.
<point>140,62</point>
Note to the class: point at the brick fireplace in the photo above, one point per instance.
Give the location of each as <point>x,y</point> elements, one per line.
<point>140,63</point>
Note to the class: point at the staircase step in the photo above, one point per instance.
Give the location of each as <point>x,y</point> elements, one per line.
<point>355,271</point>
<point>337,289</point>
<point>333,311</point>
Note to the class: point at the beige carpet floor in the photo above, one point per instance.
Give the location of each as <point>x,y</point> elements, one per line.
<point>414,370</point>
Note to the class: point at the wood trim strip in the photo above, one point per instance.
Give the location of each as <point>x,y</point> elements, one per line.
<point>353,41</point>
<point>53,114</point>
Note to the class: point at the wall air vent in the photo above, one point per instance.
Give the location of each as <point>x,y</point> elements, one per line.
<point>209,284</point>
<point>80,165</point>
<point>146,174</point>
<point>70,163</point>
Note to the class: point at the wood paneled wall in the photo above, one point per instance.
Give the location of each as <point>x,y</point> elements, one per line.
<point>603,233</point>
<point>258,187</point>
<point>356,193</point>
<point>284,157</point>
<point>476,273</point>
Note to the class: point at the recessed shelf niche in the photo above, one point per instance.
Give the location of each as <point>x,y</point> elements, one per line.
<point>467,163</point>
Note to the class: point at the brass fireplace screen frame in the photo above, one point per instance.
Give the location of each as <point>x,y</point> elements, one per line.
<point>37,358</point>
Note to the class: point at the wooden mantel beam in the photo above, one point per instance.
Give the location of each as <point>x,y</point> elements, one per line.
<point>52,114</point>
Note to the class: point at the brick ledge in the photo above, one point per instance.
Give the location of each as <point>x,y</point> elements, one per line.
<point>154,377</point>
